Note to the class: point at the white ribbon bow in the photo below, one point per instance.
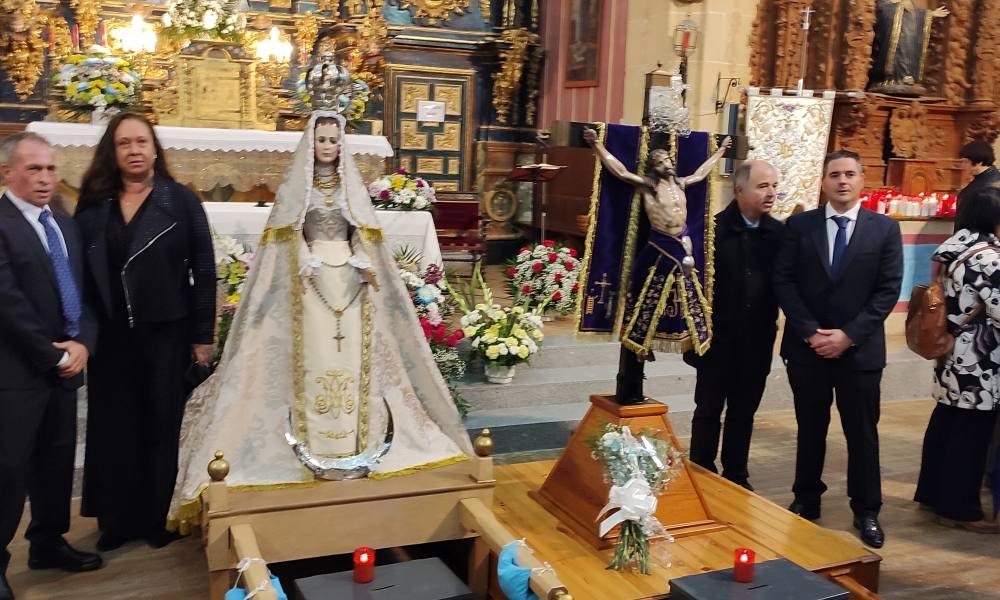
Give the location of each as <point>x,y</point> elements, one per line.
<point>634,500</point>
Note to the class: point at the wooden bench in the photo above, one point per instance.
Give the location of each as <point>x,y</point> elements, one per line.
<point>461,226</point>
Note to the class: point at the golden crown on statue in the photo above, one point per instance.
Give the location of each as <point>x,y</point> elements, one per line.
<point>329,85</point>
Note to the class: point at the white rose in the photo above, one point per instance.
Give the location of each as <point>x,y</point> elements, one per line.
<point>210,19</point>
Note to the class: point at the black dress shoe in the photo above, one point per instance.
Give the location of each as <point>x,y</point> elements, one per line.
<point>5,592</point>
<point>871,532</point>
<point>111,541</point>
<point>806,511</point>
<point>63,557</point>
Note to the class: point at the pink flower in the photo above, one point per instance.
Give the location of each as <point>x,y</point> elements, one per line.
<point>536,267</point>
<point>548,243</point>
<point>401,171</point>
<point>553,257</point>
<point>420,183</point>
<point>439,332</point>
<point>526,289</point>
<point>557,277</point>
<point>572,252</point>
<point>433,274</point>
<point>384,194</point>
<point>568,265</point>
<point>524,249</point>
<point>511,271</point>
<point>556,297</point>
<point>576,286</point>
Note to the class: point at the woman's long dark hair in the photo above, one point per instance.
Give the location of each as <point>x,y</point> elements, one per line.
<point>103,178</point>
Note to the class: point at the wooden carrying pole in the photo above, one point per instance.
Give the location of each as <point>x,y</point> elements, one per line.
<point>245,545</point>
<point>544,582</point>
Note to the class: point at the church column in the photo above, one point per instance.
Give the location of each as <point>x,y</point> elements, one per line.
<point>956,81</point>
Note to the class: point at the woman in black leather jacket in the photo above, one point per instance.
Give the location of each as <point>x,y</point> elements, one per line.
<point>150,263</point>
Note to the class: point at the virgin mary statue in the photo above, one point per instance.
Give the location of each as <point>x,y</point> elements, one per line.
<point>325,359</point>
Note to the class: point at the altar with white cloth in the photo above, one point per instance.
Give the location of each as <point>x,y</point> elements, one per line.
<point>205,158</point>
<point>245,221</point>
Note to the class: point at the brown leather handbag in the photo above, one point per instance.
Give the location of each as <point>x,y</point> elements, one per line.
<point>927,315</point>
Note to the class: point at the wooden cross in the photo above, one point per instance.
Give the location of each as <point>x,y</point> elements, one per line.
<point>603,283</point>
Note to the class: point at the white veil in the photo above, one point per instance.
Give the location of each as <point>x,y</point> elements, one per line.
<point>242,409</point>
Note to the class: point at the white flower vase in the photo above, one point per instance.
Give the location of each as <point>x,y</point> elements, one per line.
<point>496,373</point>
<point>101,115</point>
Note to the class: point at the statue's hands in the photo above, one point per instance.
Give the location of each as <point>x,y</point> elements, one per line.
<point>589,135</point>
<point>369,276</point>
<point>940,12</point>
<point>726,143</point>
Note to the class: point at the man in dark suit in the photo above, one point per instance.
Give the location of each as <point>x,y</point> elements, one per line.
<point>45,334</point>
<point>733,372</point>
<point>837,278</point>
<point>978,158</point>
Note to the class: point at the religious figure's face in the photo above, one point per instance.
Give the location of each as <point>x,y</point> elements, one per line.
<point>756,196</point>
<point>843,182</point>
<point>662,165</point>
<point>327,143</point>
<point>134,149</point>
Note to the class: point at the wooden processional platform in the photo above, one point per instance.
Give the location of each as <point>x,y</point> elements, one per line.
<point>553,504</point>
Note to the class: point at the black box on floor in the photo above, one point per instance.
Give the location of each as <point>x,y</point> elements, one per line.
<point>424,579</point>
<point>773,579</point>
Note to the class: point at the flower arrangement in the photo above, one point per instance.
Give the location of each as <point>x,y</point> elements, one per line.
<point>97,80</point>
<point>232,267</point>
<point>355,109</point>
<point>402,191</point>
<point>638,469</point>
<point>503,335</point>
<point>215,19</point>
<point>433,305</point>
<point>549,271</point>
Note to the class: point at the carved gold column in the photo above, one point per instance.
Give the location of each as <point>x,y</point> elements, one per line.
<point>860,34</point>
<point>533,82</point>
<point>22,48</point>
<point>987,53</point>
<point>306,30</point>
<point>86,18</point>
<point>956,84</point>
<point>507,80</point>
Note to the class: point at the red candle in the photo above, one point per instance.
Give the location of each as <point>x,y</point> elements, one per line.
<point>743,565</point>
<point>364,565</point>
<point>75,33</point>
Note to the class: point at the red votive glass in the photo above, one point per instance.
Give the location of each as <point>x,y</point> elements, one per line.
<point>364,564</point>
<point>743,565</point>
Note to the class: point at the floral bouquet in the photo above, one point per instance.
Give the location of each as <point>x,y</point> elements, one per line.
<point>232,266</point>
<point>401,191</point>
<point>548,271</point>
<point>638,469</point>
<point>433,304</point>
<point>97,80</point>
<point>355,109</point>
<point>216,19</point>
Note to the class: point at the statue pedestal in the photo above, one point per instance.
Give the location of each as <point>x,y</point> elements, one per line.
<point>912,176</point>
<point>575,490</point>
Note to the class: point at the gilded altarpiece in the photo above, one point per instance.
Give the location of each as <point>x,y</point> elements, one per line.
<point>439,151</point>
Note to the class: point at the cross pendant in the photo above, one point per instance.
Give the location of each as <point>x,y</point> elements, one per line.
<point>339,337</point>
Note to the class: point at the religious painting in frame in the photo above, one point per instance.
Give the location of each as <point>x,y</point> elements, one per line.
<point>582,46</point>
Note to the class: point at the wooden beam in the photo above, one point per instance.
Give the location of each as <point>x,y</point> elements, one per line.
<point>256,575</point>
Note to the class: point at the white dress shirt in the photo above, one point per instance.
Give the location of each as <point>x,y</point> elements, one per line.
<point>832,227</point>
<point>31,214</point>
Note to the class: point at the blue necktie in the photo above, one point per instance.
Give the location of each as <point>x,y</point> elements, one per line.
<point>839,244</point>
<point>64,276</point>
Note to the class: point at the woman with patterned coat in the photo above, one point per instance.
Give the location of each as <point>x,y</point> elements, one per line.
<point>966,380</point>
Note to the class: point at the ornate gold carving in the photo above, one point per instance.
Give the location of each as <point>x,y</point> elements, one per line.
<point>507,80</point>
<point>410,93</point>
<point>329,6</point>
<point>446,186</point>
<point>860,33</point>
<point>534,83</point>
<point>280,3</point>
<point>337,435</point>
<point>955,57</point>
<point>337,395</point>
<point>22,50</point>
<point>484,9</point>
<point>451,139</point>
<point>353,8</point>
<point>86,18</point>
<point>431,166</point>
<point>306,30</point>
<point>908,130</point>
<point>454,166</point>
<point>411,138</point>
<point>58,34</point>
<point>451,95</point>
<point>435,10</point>
<point>374,30</point>
<point>987,62</point>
